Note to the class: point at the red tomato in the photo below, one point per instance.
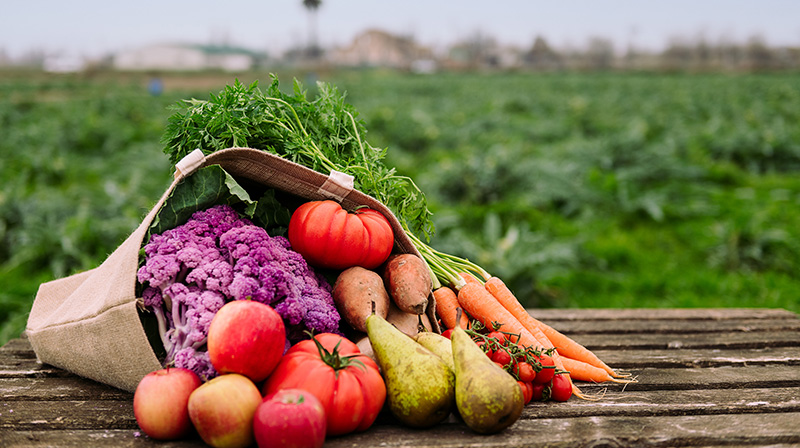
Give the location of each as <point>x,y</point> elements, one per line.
<point>561,389</point>
<point>501,357</point>
<point>527,391</point>
<point>485,347</point>
<point>350,388</point>
<point>447,333</point>
<point>327,236</point>
<point>499,336</point>
<point>548,370</point>
<point>525,371</point>
<point>537,392</point>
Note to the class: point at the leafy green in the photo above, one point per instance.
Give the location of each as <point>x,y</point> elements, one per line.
<point>324,134</point>
<point>210,186</point>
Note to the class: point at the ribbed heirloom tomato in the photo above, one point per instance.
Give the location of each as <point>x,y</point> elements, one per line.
<point>328,236</point>
<point>333,369</point>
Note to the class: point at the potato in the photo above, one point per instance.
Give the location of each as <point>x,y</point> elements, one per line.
<point>408,323</point>
<point>408,281</point>
<point>354,292</point>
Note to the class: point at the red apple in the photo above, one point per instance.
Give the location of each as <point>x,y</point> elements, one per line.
<point>247,338</point>
<point>222,410</point>
<point>290,418</point>
<point>160,403</point>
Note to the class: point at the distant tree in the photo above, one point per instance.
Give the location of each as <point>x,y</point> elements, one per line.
<point>541,55</point>
<point>600,53</point>
<point>313,46</point>
<point>759,56</point>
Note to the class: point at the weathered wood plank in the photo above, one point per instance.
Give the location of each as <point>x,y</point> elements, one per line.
<point>667,326</point>
<point>630,359</point>
<point>705,430</point>
<point>722,340</point>
<point>726,429</point>
<point>675,402</point>
<point>67,414</point>
<point>661,313</point>
<point>740,377</point>
<point>82,438</point>
<point>58,388</point>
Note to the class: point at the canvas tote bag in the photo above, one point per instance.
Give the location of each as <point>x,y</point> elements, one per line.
<point>88,323</point>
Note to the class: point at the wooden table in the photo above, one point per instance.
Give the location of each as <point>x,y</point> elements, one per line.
<point>706,377</point>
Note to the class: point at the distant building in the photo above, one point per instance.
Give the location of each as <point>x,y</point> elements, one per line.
<point>179,57</point>
<point>377,48</point>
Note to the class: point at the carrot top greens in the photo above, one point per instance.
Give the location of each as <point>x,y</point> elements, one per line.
<point>323,134</point>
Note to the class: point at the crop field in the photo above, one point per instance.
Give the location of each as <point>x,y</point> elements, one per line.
<point>579,190</point>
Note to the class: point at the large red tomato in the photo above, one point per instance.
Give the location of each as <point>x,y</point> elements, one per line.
<point>327,236</point>
<point>333,369</point>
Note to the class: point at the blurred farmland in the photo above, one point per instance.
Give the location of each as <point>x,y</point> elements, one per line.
<point>580,190</point>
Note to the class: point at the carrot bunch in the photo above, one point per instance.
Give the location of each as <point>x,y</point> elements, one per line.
<point>494,305</point>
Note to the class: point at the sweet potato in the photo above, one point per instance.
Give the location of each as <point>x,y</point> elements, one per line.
<point>354,292</point>
<point>408,281</point>
<point>408,323</point>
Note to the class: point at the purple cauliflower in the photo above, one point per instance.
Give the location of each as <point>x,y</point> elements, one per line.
<point>192,270</point>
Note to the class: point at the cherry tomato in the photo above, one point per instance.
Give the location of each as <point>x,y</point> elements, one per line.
<point>538,392</point>
<point>548,370</point>
<point>501,356</point>
<point>499,336</point>
<point>527,391</point>
<point>447,333</point>
<point>525,371</point>
<point>486,348</point>
<point>561,389</point>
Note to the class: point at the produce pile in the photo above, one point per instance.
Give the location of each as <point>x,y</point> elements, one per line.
<point>281,307</point>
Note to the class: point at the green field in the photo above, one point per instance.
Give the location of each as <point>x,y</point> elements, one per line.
<point>579,190</point>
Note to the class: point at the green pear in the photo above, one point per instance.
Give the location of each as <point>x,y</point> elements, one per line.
<point>420,388</point>
<point>438,344</point>
<point>488,398</point>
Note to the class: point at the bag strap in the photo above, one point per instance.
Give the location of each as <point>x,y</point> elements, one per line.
<point>189,163</point>
<point>337,186</point>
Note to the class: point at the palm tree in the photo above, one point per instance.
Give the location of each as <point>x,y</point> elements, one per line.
<point>313,50</point>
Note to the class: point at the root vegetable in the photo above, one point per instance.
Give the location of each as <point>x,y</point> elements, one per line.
<point>408,282</point>
<point>355,291</point>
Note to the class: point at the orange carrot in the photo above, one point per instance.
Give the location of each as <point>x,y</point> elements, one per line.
<point>483,306</point>
<point>565,345</point>
<point>446,306</point>
<point>582,371</point>
<point>480,304</point>
<point>469,278</point>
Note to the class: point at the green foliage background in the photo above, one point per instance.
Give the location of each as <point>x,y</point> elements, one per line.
<point>579,190</point>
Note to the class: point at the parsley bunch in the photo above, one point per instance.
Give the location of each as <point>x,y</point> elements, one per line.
<point>324,134</point>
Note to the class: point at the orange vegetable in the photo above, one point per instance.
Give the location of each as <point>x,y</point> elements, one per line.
<point>566,346</point>
<point>447,306</point>
<point>469,278</point>
<point>582,371</point>
<point>482,306</point>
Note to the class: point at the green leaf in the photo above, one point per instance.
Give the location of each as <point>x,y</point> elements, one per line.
<point>211,186</point>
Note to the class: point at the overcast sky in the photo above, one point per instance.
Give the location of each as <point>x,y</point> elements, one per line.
<point>93,28</point>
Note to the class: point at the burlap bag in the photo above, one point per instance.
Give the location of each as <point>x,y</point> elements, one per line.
<point>88,323</point>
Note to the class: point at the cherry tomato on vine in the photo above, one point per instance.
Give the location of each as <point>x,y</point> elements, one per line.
<point>561,389</point>
<point>499,336</point>
<point>486,348</point>
<point>527,391</point>
<point>548,370</point>
<point>537,392</point>
<point>501,357</point>
<point>447,333</point>
<point>525,372</point>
